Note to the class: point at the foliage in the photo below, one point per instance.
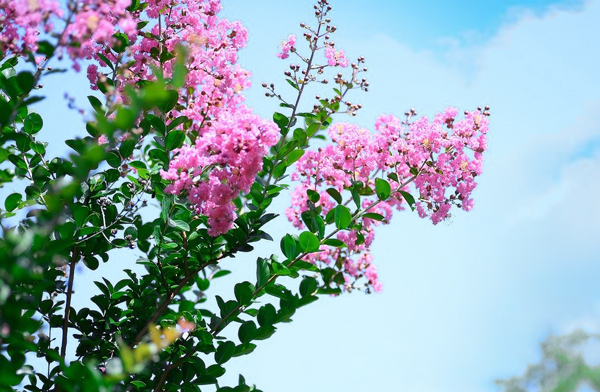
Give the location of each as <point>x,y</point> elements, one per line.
<point>562,369</point>
<point>171,127</point>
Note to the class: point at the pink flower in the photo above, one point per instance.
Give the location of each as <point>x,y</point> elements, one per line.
<point>336,58</point>
<point>286,46</point>
<point>92,74</point>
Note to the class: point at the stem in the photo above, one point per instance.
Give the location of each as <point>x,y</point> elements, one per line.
<point>295,108</point>
<point>65,328</point>
<point>167,301</point>
<point>223,322</point>
<point>171,367</point>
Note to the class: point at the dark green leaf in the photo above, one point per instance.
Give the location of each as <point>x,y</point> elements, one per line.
<point>12,201</point>
<point>224,352</point>
<point>33,123</point>
<point>25,81</point>
<point>96,104</point>
<point>374,216</point>
<point>91,262</point>
<point>281,120</point>
<point>288,247</point>
<point>247,331</point>
<point>127,147</point>
<point>262,271</point>
<point>335,194</point>
<point>313,195</point>
<point>113,159</point>
<point>334,242</point>
<point>174,139</point>
<point>243,292</point>
<point>308,287</point>
<point>409,199</point>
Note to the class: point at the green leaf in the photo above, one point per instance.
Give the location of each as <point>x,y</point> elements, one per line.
<point>266,315</point>
<point>393,176</point>
<point>176,122</point>
<point>169,101</point>
<point>25,81</point>
<point>309,242</point>
<point>294,85</point>
<point>342,217</point>
<point>247,331</point>
<point>174,139</point>
<point>294,156</point>
<point>281,120</point>
<point>382,188</point>
<point>178,224</point>
<point>313,222</point>
<point>262,271</point>
<point>313,195</point>
<point>335,194</point>
<point>308,287</point>
<point>355,197</point>
<point>38,148</point>
<point>81,214</point>
<point>113,159</point>
<point>409,199</point>
<point>243,292</point>
<point>96,104</point>
<point>224,352</point>
<point>279,170</point>
<point>121,42</point>
<point>374,216</point>
<point>45,48</point>
<point>91,262</point>
<point>33,123</point>
<point>12,201</point>
<point>127,147</point>
<point>288,247</point>
<point>334,242</point>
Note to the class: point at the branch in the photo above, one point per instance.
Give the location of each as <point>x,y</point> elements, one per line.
<point>65,328</point>
<point>167,301</point>
<point>223,322</point>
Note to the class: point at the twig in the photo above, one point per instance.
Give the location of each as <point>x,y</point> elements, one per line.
<point>65,329</point>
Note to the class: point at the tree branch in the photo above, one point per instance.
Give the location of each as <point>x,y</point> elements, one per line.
<point>65,328</point>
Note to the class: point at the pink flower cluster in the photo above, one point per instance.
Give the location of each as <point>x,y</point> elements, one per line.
<point>230,141</point>
<point>286,46</point>
<point>94,25</point>
<point>223,162</point>
<point>22,21</point>
<point>336,58</point>
<point>437,161</point>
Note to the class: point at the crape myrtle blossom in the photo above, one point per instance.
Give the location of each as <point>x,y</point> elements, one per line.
<point>94,25</point>
<point>22,21</point>
<point>229,141</point>
<point>223,162</point>
<point>286,46</point>
<point>336,57</point>
<point>436,161</point>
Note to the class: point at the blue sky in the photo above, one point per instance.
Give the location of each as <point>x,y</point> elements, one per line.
<point>467,301</point>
